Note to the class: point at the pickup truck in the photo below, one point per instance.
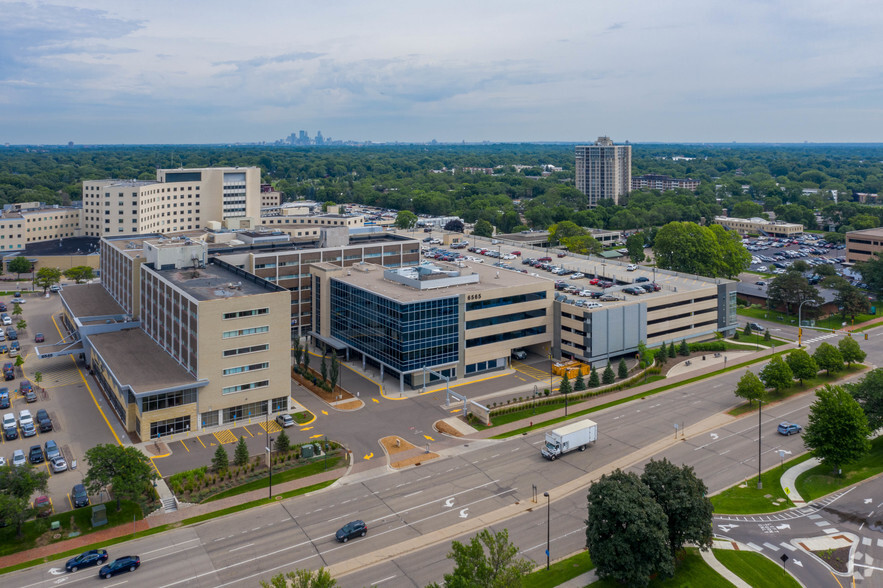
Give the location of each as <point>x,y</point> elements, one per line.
<point>564,439</point>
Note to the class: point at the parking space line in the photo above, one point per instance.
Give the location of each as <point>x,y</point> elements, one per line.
<point>225,436</point>
<point>249,432</point>
<point>185,446</point>
<point>200,440</point>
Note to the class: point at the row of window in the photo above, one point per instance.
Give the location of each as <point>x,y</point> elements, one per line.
<point>244,350</point>
<point>245,387</point>
<point>246,368</point>
<point>245,313</point>
<point>169,399</point>
<point>244,332</point>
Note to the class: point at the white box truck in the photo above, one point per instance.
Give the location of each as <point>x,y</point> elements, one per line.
<point>569,437</point>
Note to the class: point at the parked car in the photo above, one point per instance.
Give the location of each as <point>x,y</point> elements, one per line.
<point>10,427</point>
<point>12,334</point>
<point>756,327</point>
<point>8,371</point>
<point>86,559</point>
<point>128,563</point>
<point>58,464</point>
<point>351,530</point>
<point>55,288</point>
<point>18,300</point>
<point>30,395</point>
<point>4,398</point>
<point>43,506</point>
<point>26,423</point>
<point>18,458</point>
<point>79,496</point>
<point>519,354</point>
<point>35,454</point>
<point>43,420</point>
<point>786,428</point>
<point>631,267</point>
<point>39,338</point>
<point>52,449</point>
<point>6,319</point>
<point>285,420</point>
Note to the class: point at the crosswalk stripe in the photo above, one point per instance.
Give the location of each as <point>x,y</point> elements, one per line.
<point>830,531</point>
<point>866,540</point>
<point>788,546</point>
<point>822,523</point>
<point>771,546</point>
<point>754,546</point>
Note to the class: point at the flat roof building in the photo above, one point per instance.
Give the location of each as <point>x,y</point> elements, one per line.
<point>760,226</point>
<point>864,245</point>
<point>603,170</point>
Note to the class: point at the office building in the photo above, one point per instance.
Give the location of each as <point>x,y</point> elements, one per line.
<point>760,226</point>
<point>603,170</point>
<point>864,245</point>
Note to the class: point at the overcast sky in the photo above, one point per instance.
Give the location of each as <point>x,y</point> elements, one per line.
<point>209,71</point>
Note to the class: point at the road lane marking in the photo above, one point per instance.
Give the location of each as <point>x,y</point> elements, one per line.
<point>240,547</point>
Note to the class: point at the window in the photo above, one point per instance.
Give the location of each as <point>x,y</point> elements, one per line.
<point>246,368</point>
<point>244,332</point>
<point>245,313</point>
<point>169,427</point>
<point>168,400</point>
<point>244,387</point>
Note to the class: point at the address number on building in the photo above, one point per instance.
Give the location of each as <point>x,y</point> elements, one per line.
<point>473,297</point>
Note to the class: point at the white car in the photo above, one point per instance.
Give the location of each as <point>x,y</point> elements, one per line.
<point>508,256</point>
<point>592,304</point>
<point>18,300</point>
<point>585,293</point>
<point>2,461</point>
<point>18,458</point>
<point>578,275</point>
<point>631,267</point>
<point>24,416</point>
<point>7,320</point>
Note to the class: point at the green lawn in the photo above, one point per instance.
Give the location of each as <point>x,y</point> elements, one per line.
<point>302,417</point>
<point>82,517</point>
<point>753,340</point>
<point>820,480</point>
<point>295,473</point>
<point>757,570</point>
<point>560,572</point>
<point>691,571</point>
<point>797,388</point>
<point>831,322</point>
<point>745,498</point>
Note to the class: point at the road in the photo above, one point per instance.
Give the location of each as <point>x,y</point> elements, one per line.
<point>438,501</point>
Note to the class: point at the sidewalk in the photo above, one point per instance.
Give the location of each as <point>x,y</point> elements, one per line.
<point>789,479</point>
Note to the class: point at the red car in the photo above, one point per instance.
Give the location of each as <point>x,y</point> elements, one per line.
<point>594,281</point>
<point>516,253</point>
<point>562,254</point>
<point>38,338</point>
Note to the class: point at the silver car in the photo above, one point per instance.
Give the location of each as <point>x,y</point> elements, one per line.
<point>58,464</point>
<point>18,458</point>
<point>285,420</point>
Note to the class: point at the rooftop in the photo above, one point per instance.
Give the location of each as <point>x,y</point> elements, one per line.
<point>213,282</point>
<point>371,277</point>
<point>877,232</point>
<point>137,361</point>
<point>86,300</point>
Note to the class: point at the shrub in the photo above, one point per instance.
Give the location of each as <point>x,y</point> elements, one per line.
<point>623,370</point>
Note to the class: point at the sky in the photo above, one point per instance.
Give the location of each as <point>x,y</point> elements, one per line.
<point>218,71</point>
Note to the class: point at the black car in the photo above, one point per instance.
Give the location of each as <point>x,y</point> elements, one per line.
<point>43,420</point>
<point>129,563</point>
<point>35,455</point>
<point>86,559</point>
<point>12,334</point>
<point>79,496</point>
<point>350,530</point>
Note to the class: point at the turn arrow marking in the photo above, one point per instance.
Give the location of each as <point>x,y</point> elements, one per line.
<point>307,429</point>
<point>370,455</point>
<point>375,400</point>
<point>325,412</point>
<point>428,437</point>
<point>464,513</point>
<point>797,561</point>
<point>57,571</point>
<point>449,502</point>
<point>316,435</point>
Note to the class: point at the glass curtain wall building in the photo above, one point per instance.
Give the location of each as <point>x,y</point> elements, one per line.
<point>403,336</point>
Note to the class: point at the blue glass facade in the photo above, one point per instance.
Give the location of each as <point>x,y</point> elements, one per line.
<point>404,336</point>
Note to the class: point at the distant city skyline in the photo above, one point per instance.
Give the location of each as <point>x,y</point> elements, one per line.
<point>109,72</point>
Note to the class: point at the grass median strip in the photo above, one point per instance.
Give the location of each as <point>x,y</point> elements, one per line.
<point>755,569</point>
<point>691,571</point>
<point>559,572</point>
<point>745,498</point>
<point>821,480</point>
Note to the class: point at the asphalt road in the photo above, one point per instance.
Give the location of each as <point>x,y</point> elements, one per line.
<point>471,480</point>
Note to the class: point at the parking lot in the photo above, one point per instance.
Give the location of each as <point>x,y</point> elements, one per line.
<point>774,256</point>
<point>64,394</point>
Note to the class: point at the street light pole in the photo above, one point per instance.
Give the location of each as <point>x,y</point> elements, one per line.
<point>800,323</point>
<point>548,532</point>
<point>759,411</point>
<point>269,451</point>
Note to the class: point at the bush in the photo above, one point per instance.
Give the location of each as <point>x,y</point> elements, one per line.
<point>709,346</point>
<point>608,377</point>
<point>736,336</point>
<point>684,349</point>
<point>622,370</point>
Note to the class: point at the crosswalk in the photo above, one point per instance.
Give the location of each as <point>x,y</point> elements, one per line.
<point>819,338</point>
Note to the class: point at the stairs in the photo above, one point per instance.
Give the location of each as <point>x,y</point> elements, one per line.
<point>170,504</point>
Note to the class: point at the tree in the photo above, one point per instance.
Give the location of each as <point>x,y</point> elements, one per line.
<point>594,382</point>
<point>682,496</point>
<point>564,387</point>
<point>16,310</point>
<point>297,351</point>
<point>850,351</point>
<point>483,228</point>
<point>240,454</point>
<point>767,337</point>
<point>707,251</point>
<point>47,276</point>
<point>734,258</point>
<point>662,354</point>
<point>837,428</point>
<point>627,530</point>
<point>869,393</point>
<point>488,560</point>
<point>776,374</point>
<point>406,219</point>
<point>583,245</point>
<point>21,325</point>
<point>750,388</point>
<point>306,369</point>
<point>454,225</point>
<point>282,443</point>
<point>220,461</point>
<point>672,352</point>
<point>560,232</point>
<point>622,369</point>
<point>635,246</point>
<point>851,301</point>
<point>828,358</point>
<point>747,330</point>
<point>608,377</point>
<point>334,376</point>
<point>19,361</point>
<point>15,510</point>
<point>23,482</point>
<point>302,579</point>
<point>871,271</point>
<point>803,366</point>
<point>79,274</point>
<point>125,470</point>
<point>684,349</point>
<point>323,369</point>
<point>579,384</point>
<point>790,290</point>
<point>20,265</point>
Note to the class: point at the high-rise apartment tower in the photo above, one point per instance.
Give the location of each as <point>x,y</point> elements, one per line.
<point>603,170</point>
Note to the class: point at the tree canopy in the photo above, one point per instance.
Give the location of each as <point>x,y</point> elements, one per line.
<point>488,560</point>
<point>828,358</point>
<point>869,393</point>
<point>125,470</point>
<point>790,290</point>
<point>682,496</point>
<point>706,251</point>
<point>837,429</point>
<point>20,265</point>
<point>79,274</point>
<point>803,366</point>
<point>750,387</point>
<point>776,374</point>
<point>46,277</point>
